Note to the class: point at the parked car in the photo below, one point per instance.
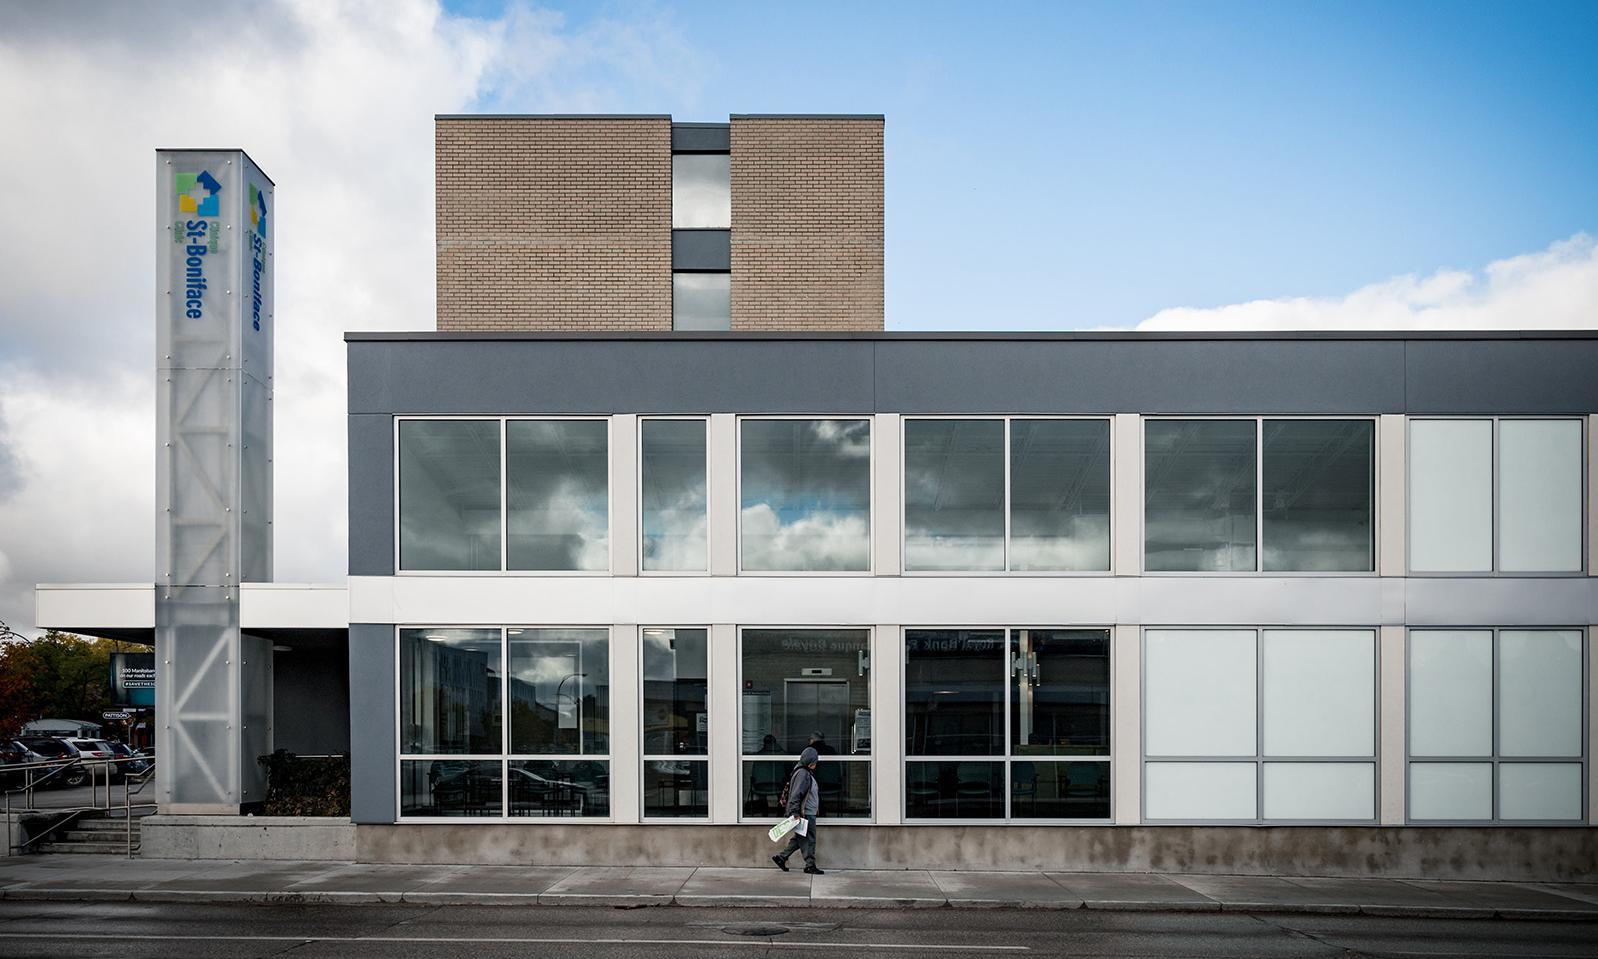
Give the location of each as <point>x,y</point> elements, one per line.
<point>95,753</point>
<point>132,763</point>
<point>12,753</point>
<point>48,749</point>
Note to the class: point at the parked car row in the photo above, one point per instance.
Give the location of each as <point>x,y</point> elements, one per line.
<point>70,755</point>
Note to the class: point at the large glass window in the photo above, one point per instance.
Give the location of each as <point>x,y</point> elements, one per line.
<point>459,757</point>
<point>1495,725</point>
<point>1007,723</point>
<point>676,723</point>
<point>701,191</point>
<point>1274,495</point>
<point>557,494</point>
<point>1275,725</point>
<point>805,494</point>
<point>804,686</point>
<point>673,495</point>
<point>1453,495</point>
<point>965,508</point>
<point>449,494</point>
<point>701,301</point>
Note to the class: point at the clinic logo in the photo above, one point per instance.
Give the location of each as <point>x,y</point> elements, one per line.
<point>258,210</point>
<point>198,193</point>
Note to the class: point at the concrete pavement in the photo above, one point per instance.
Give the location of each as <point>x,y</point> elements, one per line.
<point>184,880</point>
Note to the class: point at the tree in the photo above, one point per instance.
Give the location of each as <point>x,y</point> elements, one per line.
<point>57,675</point>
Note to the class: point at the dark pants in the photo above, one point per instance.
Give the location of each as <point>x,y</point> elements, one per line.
<point>807,843</point>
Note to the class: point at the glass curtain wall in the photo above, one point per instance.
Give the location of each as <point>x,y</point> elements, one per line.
<point>1007,724</point>
<point>1495,725</point>
<point>804,687</point>
<point>1500,495</point>
<point>805,495</point>
<point>1246,495</point>
<point>1275,725</point>
<point>676,723</point>
<point>458,755</point>
<point>673,495</point>
<point>995,494</point>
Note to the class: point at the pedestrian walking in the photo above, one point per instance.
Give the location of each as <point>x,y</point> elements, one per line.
<point>803,799</point>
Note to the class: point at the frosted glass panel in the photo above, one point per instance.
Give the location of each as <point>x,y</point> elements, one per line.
<point>1320,693</point>
<point>1539,690</point>
<point>1320,791</point>
<point>1450,495</point>
<point>1539,791</point>
<point>1451,693</point>
<point>1198,790</point>
<point>1450,791</point>
<point>1539,495</point>
<point>1199,686</point>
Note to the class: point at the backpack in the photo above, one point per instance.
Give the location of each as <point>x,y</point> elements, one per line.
<point>782,797</point>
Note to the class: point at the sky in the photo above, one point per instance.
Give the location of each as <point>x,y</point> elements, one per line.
<point>1049,166</point>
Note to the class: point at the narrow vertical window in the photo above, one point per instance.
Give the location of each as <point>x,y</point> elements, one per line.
<point>450,722</point>
<point>559,722</point>
<point>673,495</point>
<point>954,494</point>
<point>449,495</point>
<point>1199,490</point>
<point>1060,495</point>
<point>557,495</point>
<point>676,723</point>
<point>1318,495</point>
<point>701,191</point>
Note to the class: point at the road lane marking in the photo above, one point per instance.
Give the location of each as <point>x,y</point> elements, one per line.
<point>515,940</point>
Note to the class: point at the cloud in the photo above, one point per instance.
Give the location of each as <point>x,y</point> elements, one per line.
<point>336,102</point>
<point>815,540</point>
<point>1556,288</point>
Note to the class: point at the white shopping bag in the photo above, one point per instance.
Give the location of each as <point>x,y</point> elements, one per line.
<point>803,828</point>
<point>785,827</point>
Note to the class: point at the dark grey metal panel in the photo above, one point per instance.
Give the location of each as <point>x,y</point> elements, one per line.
<point>1140,376</point>
<point>371,470</point>
<point>701,250</point>
<point>701,137</point>
<point>1502,376</point>
<point>372,710</point>
<point>577,376</point>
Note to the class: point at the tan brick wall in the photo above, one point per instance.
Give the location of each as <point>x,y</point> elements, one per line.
<point>807,223</point>
<point>553,224</point>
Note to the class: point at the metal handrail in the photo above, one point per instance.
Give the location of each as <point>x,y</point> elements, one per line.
<point>72,813</point>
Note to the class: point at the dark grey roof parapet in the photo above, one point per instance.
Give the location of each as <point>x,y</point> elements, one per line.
<point>1082,335</point>
<point>551,116</point>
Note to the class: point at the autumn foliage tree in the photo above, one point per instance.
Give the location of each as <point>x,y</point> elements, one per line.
<point>56,676</point>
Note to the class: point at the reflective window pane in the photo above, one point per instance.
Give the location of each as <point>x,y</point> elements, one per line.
<point>557,496</point>
<point>1450,791</point>
<point>449,691</point>
<point>1059,494</point>
<point>701,301</point>
<point>1539,692</point>
<point>560,788</point>
<point>1450,692</point>
<point>954,494</point>
<point>954,692</point>
<point>845,788</point>
<point>676,718</point>
<point>559,691</point>
<point>676,788</point>
<point>1539,495</point>
<point>1053,790</point>
<point>1060,692</point>
<point>1202,791</point>
<point>1450,495</point>
<point>800,682</point>
<point>1318,495</point>
<point>1199,492</point>
<point>1199,690</point>
<point>701,191</point>
<point>1320,791</point>
<point>1539,791</point>
<point>1320,693</point>
<point>449,494</point>
<point>805,495</point>
<point>450,787</point>
<point>672,468</point>
<point>954,790</point>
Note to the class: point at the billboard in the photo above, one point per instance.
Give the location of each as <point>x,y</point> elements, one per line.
<point>133,679</point>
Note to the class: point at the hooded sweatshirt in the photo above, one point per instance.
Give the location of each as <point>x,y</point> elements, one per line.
<point>804,794</point>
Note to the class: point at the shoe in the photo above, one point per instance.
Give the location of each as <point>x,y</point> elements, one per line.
<point>815,870</point>
<point>781,863</point>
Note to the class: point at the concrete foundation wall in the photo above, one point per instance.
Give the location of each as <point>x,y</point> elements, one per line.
<point>246,837</point>
<point>1547,855</point>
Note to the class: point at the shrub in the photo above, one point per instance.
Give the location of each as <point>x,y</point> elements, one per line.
<point>306,786</point>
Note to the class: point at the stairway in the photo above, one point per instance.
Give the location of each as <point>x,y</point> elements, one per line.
<point>95,832</point>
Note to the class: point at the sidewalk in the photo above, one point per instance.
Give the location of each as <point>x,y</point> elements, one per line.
<point>80,877</point>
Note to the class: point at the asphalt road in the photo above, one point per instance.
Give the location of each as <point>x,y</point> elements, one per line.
<point>179,931</point>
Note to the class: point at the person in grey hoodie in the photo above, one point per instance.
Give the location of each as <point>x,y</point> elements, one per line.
<point>804,798</point>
